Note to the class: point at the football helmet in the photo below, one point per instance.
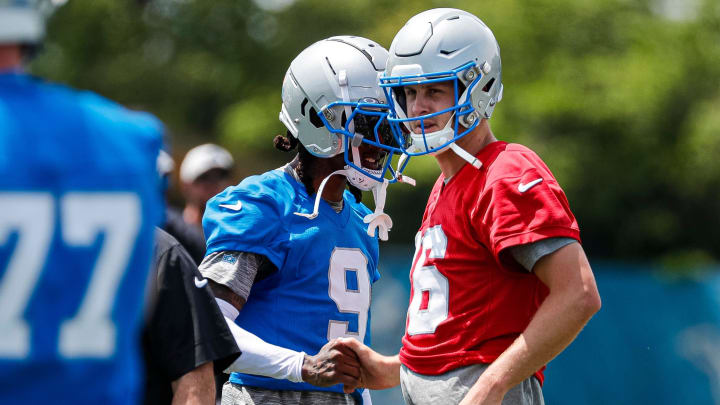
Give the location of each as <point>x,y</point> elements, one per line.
<point>23,21</point>
<point>443,45</point>
<point>331,103</point>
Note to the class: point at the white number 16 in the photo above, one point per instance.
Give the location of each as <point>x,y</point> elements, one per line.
<point>429,305</point>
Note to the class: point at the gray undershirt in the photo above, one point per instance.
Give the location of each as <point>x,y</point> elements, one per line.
<point>527,255</point>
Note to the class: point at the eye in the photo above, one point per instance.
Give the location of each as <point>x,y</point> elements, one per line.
<point>409,91</point>
<point>434,91</point>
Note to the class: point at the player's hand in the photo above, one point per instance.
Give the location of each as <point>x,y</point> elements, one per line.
<point>377,372</point>
<point>483,393</point>
<point>480,401</point>
<point>333,364</point>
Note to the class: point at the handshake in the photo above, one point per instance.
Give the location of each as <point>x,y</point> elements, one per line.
<point>351,363</point>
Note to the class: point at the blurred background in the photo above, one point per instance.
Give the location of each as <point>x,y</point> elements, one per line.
<point>621,98</point>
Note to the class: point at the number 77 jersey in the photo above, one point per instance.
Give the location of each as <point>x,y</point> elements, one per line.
<point>468,301</point>
<point>79,197</point>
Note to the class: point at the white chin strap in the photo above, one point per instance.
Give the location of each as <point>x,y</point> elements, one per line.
<point>466,155</point>
<point>401,177</point>
<point>442,136</point>
<point>314,214</point>
<point>377,220</point>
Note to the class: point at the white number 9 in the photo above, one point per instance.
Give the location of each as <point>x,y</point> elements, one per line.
<point>344,261</point>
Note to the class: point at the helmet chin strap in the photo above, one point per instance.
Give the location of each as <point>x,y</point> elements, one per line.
<point>466,155</point>
<point>401,177</point>
<point>447,133</point>
<point>377,220</point>
<point>314,214</point>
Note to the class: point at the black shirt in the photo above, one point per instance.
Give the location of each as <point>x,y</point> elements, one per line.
<point>185,328</point>
<point>189,236</point>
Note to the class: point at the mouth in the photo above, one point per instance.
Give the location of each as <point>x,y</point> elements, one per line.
<point>372,163</point>
<point>418,129</point>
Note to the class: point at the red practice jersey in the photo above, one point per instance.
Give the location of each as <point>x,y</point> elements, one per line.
<point>468,302</point>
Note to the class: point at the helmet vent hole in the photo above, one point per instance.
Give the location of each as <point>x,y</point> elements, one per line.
<point>302,106</point>
<point>315,119</point>
<point>489,85</point>
<point>455,17</point>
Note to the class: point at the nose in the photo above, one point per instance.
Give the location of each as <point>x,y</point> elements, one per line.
<point>418,106</point>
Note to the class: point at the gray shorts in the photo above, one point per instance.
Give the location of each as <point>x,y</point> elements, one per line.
<point>235,394</point>
<point>450,388</point>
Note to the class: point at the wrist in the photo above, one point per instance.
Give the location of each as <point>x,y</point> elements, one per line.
<point>491,386</point>
<point>306,368</point>
<point>296,370</point>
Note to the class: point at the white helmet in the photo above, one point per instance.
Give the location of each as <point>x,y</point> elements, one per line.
<point>331,103</point>
<point>23,21</point>
<point>438,45</point>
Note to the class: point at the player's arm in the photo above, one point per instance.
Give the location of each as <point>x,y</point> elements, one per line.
<point>231,280</point>
<point>196,387</point>
<point>573,299</point>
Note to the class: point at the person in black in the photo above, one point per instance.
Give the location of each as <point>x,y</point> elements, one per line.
<point>189,236</point>
<point>185,334</point>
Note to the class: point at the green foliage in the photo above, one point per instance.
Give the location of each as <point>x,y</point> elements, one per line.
<point>620,97</point>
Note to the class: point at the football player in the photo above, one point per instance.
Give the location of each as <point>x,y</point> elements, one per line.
<point>78,202</point>
<point>291,254</point>
<point>500,282</point>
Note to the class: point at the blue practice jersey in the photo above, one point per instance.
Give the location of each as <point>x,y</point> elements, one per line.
<point>79,196</point>
<point>326,266</point>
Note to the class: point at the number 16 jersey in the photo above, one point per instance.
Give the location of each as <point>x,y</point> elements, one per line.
<point>468,301</point>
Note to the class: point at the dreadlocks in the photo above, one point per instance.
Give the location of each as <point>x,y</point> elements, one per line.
<point>306,163</point>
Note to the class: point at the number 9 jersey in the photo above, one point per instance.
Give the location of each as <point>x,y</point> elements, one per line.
<point>326,266</point>
<point>79,196</point>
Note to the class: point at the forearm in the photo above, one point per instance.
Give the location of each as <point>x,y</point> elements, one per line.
<point>391,369</point>
<point>196,387</point>
<point>259,357</point>
<point>572,301</point>
<point>552,329</point>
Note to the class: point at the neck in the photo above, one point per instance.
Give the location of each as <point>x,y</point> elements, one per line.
<point>335,186</point>
<point>450,163</point>
<point>10,57</point>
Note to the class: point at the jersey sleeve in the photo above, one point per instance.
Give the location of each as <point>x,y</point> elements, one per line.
<point>234,270</point>
<point>523,207</point>
<point>247,218</point>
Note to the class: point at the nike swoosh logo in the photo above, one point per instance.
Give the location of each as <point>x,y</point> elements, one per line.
<point>200,283</point>
<point>527,186</point>
<point>236,207</point>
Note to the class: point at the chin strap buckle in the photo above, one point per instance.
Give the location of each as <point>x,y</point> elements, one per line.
<point>378,219</point>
